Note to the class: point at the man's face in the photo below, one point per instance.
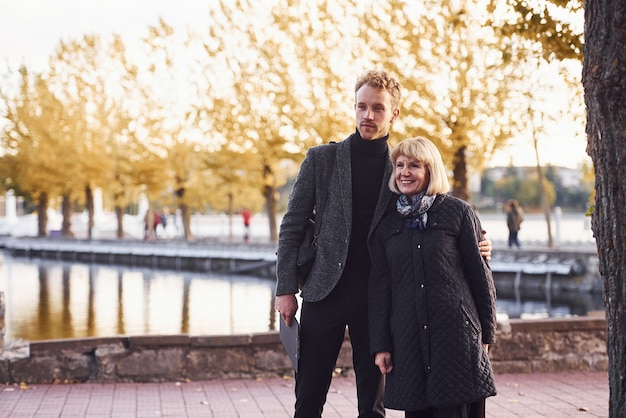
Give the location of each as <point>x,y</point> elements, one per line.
<point>374,114</point>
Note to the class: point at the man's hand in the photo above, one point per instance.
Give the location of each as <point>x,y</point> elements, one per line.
<point>287,306</point>
<point>485,248</point>
<point>383,361</point>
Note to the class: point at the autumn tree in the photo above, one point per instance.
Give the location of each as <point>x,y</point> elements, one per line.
<point>604,72</point>
<point>227,172</point>
<point>461,85</point>
<point>543,21</point>
<point>269,101</point>
<point>79,77</point>
<point>172,126</point>
<point>37,144</point>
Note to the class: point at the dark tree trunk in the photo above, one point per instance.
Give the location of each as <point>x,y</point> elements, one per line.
<point>271,205</point>
<point>604,80</point>
<point>185,213</point>
<point>271,202</point>
<point>119,215</point>
<point>231,212</point>
<point>460,186</point>
<point>42,215</point>
<point>66,209</point>
<point>90,210</point>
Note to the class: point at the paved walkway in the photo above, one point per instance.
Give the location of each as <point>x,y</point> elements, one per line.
<point>557,395</point>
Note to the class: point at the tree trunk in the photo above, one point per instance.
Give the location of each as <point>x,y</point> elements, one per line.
<point>185,214</point>
<point>42,215</point>
<point>271,203</point>
<point>604,80</point>
<point>231,211</point>
<point>66,209</point>
<point>542,192</point>
<point>460,186</point>
<point>119,215</point>
<point>542,189</point>
<point>90,210</point>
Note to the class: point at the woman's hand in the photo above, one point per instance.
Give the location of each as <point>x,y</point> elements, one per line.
<point>383,361</point>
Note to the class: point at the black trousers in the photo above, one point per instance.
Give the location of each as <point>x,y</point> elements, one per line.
<point>469,410</point>
<point>322,329</point>
<point>513,239</point>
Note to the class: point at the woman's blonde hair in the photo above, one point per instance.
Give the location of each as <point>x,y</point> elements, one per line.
<point>422,150</point>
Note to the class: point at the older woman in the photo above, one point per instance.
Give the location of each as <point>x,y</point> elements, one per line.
<point>431,294</point>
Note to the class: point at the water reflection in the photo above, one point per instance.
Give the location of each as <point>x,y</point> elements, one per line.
<point>529,304</point>
<point>48,299</point>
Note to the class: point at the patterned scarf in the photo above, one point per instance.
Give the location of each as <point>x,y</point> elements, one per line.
<point>416,210</point>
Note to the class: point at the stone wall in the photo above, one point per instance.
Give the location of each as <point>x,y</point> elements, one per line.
<point>523,346</point>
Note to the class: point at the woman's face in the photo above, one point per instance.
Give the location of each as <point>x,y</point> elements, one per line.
<point>412,177</point>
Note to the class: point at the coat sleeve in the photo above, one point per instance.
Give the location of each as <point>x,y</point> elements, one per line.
<point>379,297</point>
<point>478,274</point>
<point>299,209</point>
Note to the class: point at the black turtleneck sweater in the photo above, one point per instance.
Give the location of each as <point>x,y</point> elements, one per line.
<point>368,168</point>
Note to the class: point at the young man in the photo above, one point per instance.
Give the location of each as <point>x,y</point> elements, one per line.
<point>335,293</point>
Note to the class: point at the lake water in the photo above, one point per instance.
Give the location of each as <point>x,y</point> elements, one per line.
<point>48,299</point>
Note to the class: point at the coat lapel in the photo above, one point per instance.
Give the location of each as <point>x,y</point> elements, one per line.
<point>383,197</point>
<point>343,163</point>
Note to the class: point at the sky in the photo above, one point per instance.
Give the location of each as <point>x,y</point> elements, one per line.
<point>30,30</point>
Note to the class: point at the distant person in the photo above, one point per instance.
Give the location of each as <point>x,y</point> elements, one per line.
<point>177,219</point>
<point>432,299</point>
<point>156,223</point>
<point>514,219</point>
<point>163,217</point>
<point>246,215</point>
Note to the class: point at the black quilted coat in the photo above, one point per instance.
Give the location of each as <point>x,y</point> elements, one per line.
<point>432,306</point>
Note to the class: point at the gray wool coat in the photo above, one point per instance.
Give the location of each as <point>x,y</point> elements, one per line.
<point>334,237</point>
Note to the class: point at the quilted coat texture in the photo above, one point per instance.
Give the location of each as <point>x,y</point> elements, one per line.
<point>334,237</point>
<point>432,306</point>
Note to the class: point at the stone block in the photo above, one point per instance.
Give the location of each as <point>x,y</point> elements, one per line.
<point>275,360</point>
<point>107,358</point>
<point>512,367</point>
<point>159,341</point>
<point>65,368</point>
<point>5,378</point>
<point>263,338</point>
<point>164,364</point>
<point>600,362</point>
<point>220,363</point>
<point>72,344</point>
<point>221,341</point>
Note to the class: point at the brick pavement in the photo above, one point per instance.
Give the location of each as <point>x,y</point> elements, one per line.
<point>555,395</point>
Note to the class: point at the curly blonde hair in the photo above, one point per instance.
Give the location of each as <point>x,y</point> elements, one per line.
<point>381,80</point>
